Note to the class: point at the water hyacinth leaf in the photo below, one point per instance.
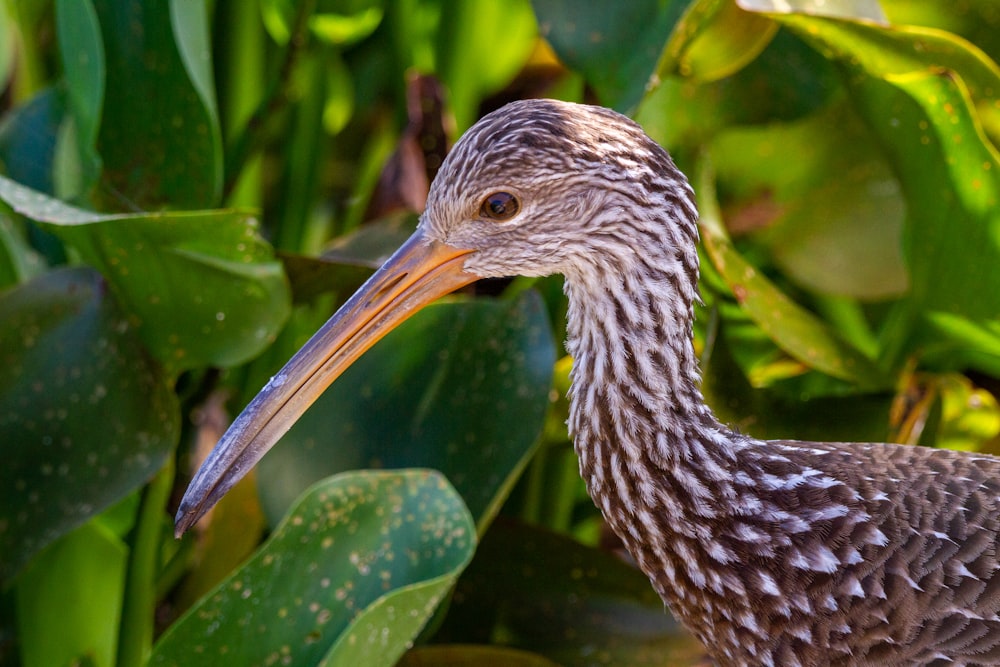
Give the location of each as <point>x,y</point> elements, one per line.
<point>202,287</point>
<point>466,385</point>
<point>713,40</point>
<point>67,353</point>
<point>82,54</point>
<point>924,93</point>
<point>550,595</point>
<point>836,236</point>
<point>89,559</point>
<point>794,329</point>
<point>615,46</point>
<point>356,569</point>
<point>159,137</point>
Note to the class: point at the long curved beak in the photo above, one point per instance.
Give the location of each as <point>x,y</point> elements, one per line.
<point>418,273</point>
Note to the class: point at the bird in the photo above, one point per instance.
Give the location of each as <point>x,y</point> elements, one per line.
<point>771,552</point>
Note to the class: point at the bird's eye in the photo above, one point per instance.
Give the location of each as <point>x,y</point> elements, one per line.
<point>500,206</point>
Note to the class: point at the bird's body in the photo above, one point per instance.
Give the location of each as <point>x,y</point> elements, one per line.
<point>771,552</point>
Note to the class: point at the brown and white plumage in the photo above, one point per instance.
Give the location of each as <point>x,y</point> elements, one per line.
<point>771,552</point>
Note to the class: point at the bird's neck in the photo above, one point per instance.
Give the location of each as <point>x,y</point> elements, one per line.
<point>636,397</point>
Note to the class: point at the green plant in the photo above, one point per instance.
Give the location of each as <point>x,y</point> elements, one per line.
<point>188,190</point>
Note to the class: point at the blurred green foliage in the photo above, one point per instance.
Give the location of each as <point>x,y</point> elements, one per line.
<point>188,190</point>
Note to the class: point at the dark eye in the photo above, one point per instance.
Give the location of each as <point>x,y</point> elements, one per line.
<point>500,206</point>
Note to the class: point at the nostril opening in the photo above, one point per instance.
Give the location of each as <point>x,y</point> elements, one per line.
<point>386,288</point>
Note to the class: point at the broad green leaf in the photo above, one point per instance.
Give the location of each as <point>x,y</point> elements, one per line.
<point>976,20</point>
<point>538,591</point>
<point>69,601</point>
<point>794,329</point>
<point>85,416</point>
<point>788,80</point>
<point>835,235</point>
<point>924,93</point>
<point>349,577</point>
<point>466,385</point>
<point>202,287</point>
<point>82,54</point>
<point>714,39</point>
<point>159,134</point>
<point>615,46</point>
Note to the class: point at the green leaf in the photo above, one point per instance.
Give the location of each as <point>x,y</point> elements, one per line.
<point>18,261</point>
<point>85,416</point>
<point>835,235</point>
<point>794,329</point>
<point>202,287</point>
<point>616,46</point>
<point>345,29</point>
<point>925,94</point>
<point>466,385</point>
<point>573,604</point>
<point>28,137</point>
<point>69,602</point>
<point>350,576</point>
<point>713,40</point>
<point>160,136</point>
<point>82,54</point>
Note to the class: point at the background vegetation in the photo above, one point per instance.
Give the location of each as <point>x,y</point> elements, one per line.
<point>189,189</point>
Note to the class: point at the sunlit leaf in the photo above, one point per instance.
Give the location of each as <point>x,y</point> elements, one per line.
<point>714,39</point>
<point>349,577</point>
<point>869,10</point>
<point>480,46</point>
<point>202,287</point>
<point>836,236</point>
<point>68,354</point>
<point>466,385</point>
<point>346,29</point>
<point>918,90</point>
<point>69,601</point>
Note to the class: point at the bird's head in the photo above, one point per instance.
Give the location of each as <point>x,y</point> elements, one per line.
<point>541,187</point>
<point>535,188</point>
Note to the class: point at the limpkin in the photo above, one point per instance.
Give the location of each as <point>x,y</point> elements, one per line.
<point>770,552</point>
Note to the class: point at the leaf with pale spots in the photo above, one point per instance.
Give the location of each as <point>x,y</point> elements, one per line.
<point>465,385</point>
<point>85,416</point>
<point>350,576</point>
<point>202,287</point>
